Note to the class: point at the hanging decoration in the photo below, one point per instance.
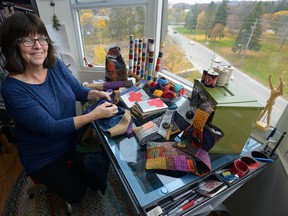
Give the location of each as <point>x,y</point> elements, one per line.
<point>55,20</point>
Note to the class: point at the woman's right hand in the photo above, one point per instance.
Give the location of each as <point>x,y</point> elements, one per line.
<point>105,110</point>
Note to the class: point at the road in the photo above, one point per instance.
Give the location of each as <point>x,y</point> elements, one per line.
<point>200,56</point>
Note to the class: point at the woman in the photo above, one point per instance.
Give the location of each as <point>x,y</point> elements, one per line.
<point>40,94</point>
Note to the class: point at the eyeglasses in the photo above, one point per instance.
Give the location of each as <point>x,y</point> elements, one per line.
<point>29,41</point>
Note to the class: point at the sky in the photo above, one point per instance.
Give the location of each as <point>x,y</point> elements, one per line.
<point>190,1</point>
<point>202,1</point>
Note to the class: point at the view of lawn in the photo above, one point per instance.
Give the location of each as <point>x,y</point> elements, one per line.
<point>269,60</point>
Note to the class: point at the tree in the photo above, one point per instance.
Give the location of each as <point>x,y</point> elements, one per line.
<point>222,14</point>
<point>217,31</point>
<point>86,19</point>
<point>208,18</point>
<point>281,6</point>
<point>173,57</point>
<point>123,22</point>
<point>99,23</point>
<point>188,20</point>
<point>191,18</point>
<point>250,32</point>
<point>280,19</point>
<point>99,55</point>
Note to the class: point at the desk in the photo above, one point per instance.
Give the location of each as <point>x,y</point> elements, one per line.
<point>147,189</point>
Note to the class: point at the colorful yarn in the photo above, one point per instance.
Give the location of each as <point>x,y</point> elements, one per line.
<point>158,86</point>
<point>170,163</point>
<point>155,152</point>
<point>156,163</point>
<point>180,163</point>
<point>152,84</point>
<point>170,87</point>
<point>131,53</point>
<point>157,93</point>
<point>191,167</point>
<point>162,81</point>
<point>168,94</point>
<point>177,87</point>
<point>182,92</point>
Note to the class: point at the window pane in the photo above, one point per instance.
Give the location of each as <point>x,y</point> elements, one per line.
<point>103,28</point>
<point>249,36</point>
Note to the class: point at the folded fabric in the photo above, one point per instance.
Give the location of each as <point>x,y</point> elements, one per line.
<point>116,125</point>
<point>202,133</point>
<point>168,156</point>
<point>161,127</point>
<point>122,126</point>
<point>147,132</point>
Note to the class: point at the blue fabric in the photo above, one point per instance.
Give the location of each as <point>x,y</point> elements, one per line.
<point>107,123</point>
<point>44,115</point>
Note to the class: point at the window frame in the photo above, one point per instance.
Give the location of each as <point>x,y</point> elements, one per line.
<point>153,17</point>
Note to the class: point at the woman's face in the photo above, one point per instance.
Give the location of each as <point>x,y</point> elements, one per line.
<point>34,49</point>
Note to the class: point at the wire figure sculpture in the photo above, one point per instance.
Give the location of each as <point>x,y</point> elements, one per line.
<point>266,112</point>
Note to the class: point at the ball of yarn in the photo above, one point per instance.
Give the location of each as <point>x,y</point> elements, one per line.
<point>157,93</point>
<point>162,82</point>
<point>177,87</point>
<point>182,92</point>
<point>152,84</point>
<point>158,86</point>
<point>168,94</point>
<point>169,87</point>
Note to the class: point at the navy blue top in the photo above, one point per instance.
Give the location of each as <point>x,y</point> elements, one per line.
<point>44,115</point>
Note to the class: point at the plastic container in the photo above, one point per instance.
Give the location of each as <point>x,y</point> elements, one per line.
<point>240,168</point>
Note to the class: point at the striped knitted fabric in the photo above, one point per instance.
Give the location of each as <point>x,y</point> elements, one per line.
<point>164,156</point>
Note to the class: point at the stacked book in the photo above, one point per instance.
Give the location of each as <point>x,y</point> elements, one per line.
<point>146,109</point>
<point>132,95</point>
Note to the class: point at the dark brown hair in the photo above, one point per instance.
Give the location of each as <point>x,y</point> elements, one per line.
<point>17,26</point>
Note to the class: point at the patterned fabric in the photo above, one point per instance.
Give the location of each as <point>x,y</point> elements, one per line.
<point>115,66</point>
<point>146,132</point>
<point>168,156</point>
<point>202,133</point>
<point>164,156</point>
<point>153,130</point>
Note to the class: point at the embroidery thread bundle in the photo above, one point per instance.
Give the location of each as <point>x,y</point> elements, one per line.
<point>141,58</point>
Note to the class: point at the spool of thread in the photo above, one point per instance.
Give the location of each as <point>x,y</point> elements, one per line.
<point>223,74</point>
<point>131,53</point>
<point>211,79</point>
<point>230,72</point>
<point>204,73</point>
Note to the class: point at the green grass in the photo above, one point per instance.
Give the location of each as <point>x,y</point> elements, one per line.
<point>269,60</point>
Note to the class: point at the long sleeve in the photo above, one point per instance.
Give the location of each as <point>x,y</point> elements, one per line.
<point>44,115</point>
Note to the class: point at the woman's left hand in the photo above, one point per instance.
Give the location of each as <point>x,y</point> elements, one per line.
<point>103,94</point>
<point>95,94</point>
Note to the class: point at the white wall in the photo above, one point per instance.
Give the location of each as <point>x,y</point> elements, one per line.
<point>63,12</point>
<point>282,125</point>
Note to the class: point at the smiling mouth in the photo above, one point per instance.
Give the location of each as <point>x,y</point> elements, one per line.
<point>37,54</point>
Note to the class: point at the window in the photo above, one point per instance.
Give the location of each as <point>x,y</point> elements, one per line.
<point>249,36</point>
<point>102,25</point>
